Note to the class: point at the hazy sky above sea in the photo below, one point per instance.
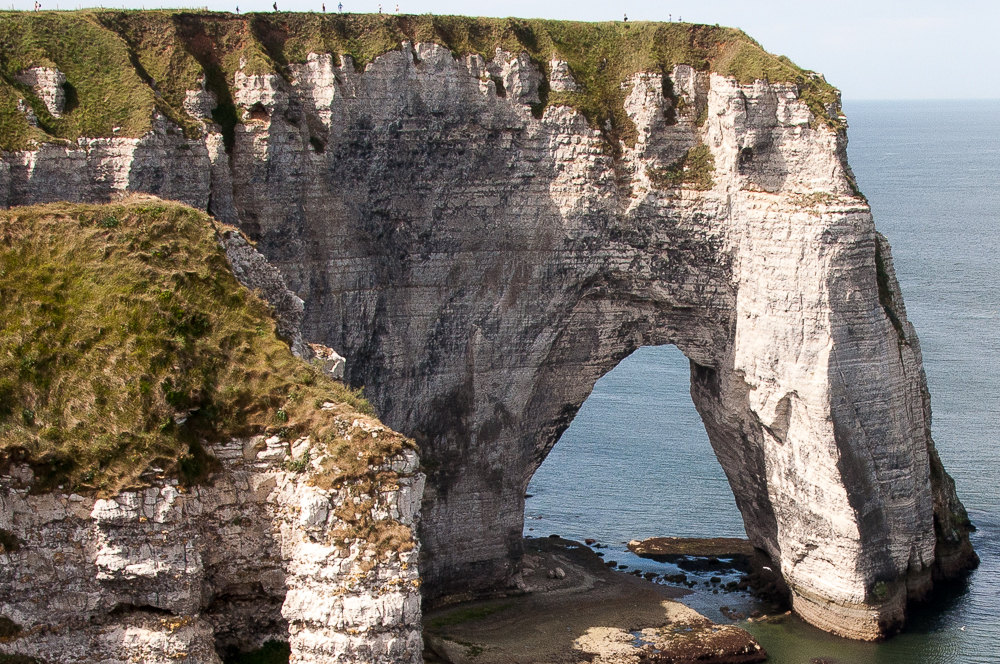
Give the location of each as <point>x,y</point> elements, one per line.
<point>870,49</point>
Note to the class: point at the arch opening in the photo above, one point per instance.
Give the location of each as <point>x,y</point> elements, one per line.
<point>636,462</point>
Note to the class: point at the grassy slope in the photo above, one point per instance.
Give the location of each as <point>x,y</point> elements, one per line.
<point>117,320</point>
<point>123,64</point>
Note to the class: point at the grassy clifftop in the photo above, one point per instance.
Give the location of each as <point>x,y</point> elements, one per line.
<point>121,65</point>
<point>125,340</point>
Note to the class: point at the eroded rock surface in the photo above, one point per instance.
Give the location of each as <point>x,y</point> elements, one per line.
<point>166,574</point>
<point>48,84</point>
<point>480,268</point>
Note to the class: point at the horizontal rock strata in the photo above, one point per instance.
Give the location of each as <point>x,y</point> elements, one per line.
<point>481,267</point>
<point>168,574</point>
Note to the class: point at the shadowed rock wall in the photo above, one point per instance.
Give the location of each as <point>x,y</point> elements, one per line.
<point>481,268</point>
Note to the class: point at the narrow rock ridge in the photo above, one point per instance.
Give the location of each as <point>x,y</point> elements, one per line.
<point>480,268</point>
<point>166,574</point>
<point>253,271</point>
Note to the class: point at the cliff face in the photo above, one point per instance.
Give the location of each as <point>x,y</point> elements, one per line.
<point>147,518</point>
<point>482,246</point>
<point>166,573</point>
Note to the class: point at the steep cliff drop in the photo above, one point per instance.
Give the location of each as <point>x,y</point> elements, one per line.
<point>485,216</point>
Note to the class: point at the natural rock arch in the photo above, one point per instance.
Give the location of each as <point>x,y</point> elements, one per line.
<point>481,268</point>
<point>480,301</point>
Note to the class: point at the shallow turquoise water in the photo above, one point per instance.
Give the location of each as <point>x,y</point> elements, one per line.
<point>931,171</point>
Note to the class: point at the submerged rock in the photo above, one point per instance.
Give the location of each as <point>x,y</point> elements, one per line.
<point>595,615</point>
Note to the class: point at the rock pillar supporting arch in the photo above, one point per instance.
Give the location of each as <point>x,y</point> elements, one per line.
<point>479,302</point>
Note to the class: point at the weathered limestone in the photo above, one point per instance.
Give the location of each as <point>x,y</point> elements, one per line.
<point>333,363</point>
<point>480,269</point>
<point>164,573</point>
<point>560,78</point>
<point>253,271</point>
<point>48,84</point>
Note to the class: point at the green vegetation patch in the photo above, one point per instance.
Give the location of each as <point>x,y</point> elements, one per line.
<point>106,96</point>
<point>15,132</point>
<point>880,591</point>
<point>694,170</point>
<point>121,65</point>
<point>125,340</point>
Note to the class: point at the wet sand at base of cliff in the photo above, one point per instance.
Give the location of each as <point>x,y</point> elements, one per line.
<point>572,608</point>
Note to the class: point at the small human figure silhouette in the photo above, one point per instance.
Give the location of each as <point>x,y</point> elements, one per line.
<point>275,5</point>
<point>340,8</point>
<point>625,20</point>
<point>670,18</point>
<point>380,9</point>
<point>397,9</point>
<point>237,9</point>
<point>324,7</point>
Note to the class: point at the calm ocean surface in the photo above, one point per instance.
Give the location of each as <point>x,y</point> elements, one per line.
<point>636,461</point>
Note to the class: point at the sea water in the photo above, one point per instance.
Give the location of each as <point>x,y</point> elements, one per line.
<point>636,461</point>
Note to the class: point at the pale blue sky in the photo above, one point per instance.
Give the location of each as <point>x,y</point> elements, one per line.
<point>870,49</point>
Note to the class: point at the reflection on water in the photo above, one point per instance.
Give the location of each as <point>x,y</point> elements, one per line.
<point>636,461</point>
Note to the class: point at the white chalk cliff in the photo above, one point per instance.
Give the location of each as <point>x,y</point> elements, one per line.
<point>480,268</point>
<point>166,574</point>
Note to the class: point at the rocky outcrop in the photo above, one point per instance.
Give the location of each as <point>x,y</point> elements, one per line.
<point>166,573</point>
<point>253,271</point>
<point>582,610</point>
<point>480,267</point>
<point>47,83</point>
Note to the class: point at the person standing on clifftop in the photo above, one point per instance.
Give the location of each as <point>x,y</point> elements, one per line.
<point>340,8</point>
<point>625,20</point>
<point>275,5</point>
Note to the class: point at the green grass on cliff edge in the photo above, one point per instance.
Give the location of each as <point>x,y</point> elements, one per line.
<point>125,340</point>
<point>121,65</point>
